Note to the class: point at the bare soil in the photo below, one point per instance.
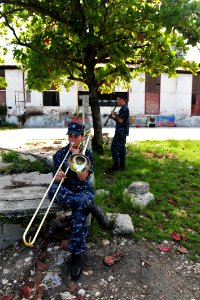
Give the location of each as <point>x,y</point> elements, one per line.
<point>141,272</point>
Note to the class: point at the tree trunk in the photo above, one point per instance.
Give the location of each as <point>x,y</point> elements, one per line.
<point>97,141</point>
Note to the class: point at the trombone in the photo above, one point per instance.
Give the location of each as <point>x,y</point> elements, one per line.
<point>77,163</point>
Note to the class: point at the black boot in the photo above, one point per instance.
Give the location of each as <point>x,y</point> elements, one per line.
<point>76,266</point>
<point>114,168</point>
<point>99,215</point>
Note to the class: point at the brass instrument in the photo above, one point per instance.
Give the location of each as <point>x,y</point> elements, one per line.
<point>77,163</point>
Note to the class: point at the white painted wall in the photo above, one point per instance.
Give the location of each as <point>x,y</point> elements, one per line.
<point>68,101</point>
<point>14,91</point>
<point>137,96</point>
<point>175,95</point>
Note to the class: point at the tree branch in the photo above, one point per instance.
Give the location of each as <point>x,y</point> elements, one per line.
<point>36,7</point>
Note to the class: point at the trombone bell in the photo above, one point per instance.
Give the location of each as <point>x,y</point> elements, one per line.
<point>78,163</point>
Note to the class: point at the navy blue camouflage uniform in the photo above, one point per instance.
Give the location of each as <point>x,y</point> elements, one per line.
<point>118,148</point>
<point>76,195</point>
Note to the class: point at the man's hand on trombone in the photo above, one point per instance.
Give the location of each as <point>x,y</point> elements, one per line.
<point>60,175</point>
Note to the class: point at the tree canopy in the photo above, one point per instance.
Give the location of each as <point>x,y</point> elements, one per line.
<point>99,43</point>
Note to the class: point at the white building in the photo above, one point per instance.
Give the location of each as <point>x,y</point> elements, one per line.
<point>159,101</point>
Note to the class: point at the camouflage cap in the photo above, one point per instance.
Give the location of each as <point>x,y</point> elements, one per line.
<point>75,129</point>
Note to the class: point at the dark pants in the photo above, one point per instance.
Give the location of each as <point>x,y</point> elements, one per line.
<point>118,149</point>
<point>77,202</point>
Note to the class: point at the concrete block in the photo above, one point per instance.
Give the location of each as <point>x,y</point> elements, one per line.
<point>138,187</point>
<point>142,199</point>
<point>10,233</point>
<point>122,223</point>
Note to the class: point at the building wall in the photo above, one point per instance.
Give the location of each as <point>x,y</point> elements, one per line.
<point>68,102</point>
<point>14,92</point>
<point>137,96</point>
<point>175,100</point>
<point>175,95</point>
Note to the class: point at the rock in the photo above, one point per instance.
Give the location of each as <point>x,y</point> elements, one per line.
<point>138,187</point>
<point>122,223</point>
<point>139,193</point>
<point>105,242</point>
<point>142,199</point>
<point>10,233</point>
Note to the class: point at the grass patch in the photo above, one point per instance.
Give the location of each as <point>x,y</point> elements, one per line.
<point>17,164</point>
<point>172,169</point>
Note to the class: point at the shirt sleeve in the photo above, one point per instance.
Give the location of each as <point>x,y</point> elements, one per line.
<point>57,159</point>
<point>123,113</point>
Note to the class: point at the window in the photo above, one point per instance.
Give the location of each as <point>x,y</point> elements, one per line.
<point>152,95</point>
<point>51,98</point>
<point>195,101</point>
<point>104,99</point>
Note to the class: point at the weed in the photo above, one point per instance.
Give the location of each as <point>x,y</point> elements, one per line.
<point>9,156</point>
<point>19,165</point>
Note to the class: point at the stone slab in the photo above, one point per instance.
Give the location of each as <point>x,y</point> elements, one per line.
<point>20,194</point>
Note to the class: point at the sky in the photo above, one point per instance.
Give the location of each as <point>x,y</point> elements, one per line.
<point>194,54</point>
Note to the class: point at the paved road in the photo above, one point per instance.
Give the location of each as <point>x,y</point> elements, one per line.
<point>18,137</point>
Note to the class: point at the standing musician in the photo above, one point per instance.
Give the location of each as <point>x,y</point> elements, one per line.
<point>76,193</point>
<point>118,146</point>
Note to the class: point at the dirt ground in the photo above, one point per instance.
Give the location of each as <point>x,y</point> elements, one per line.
<point>137,271</point>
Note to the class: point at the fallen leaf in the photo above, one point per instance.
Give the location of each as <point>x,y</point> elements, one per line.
<point>64,244</point>
<point>42,256</point>
<point>175,236</point>
<point>164,248</point>
<point>189,229</point>
<point>182,249</point>
<point>37,297</point>
<point>26,291</point>
<point>171,201</point>
<point>112,259</point>
<point>40,290</point>
<point>38,279</point>
<point>72,288</point>
<point>6,298</point>
<point>184,236</point>
<point>42,266</point>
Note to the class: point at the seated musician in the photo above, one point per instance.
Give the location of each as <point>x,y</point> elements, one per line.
<point>76,193</point>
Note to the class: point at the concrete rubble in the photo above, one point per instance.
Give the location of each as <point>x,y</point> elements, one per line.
<point>139,193</point>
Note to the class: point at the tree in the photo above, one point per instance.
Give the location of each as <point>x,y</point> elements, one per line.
<point>99,43</point>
